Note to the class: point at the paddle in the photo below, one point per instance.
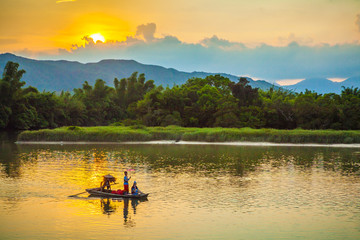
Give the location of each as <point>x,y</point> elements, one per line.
<point>76,194</point>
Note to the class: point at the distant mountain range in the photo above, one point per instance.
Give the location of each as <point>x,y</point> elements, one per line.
<point>323,85</point>
<point>66,75</point>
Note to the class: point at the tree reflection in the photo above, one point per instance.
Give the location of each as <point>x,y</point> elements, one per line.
<point>11,158</point>
<point>198,159</point>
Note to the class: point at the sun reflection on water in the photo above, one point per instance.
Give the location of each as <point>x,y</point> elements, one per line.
<point>247,191</point>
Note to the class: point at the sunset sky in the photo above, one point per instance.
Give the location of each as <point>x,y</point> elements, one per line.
<point>193,35</point>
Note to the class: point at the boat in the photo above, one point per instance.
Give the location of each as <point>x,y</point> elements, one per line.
<point>97,192</point>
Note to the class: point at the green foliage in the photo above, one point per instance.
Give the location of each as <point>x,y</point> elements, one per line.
<point>118,124</point>
<point>210,102</point>
<point>350,108</point>
<point>172,119</point>
<point>278,108</point>
<point>175,133</point>
<point>138,126</point>
<point>5,112</point>
<point>74,128</point>
<point>10,93</point>
<point>245,94</point>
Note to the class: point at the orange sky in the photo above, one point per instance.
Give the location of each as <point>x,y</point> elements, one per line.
<point>277,40</point>
<point>45,25</point>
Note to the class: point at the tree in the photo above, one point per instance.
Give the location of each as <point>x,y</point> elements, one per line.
<point>244,93</point>
<point>213,101</point>
<point>306,110</point>
<point>329,111</point>
<point>10,86</point>
<point>97,102</point>
<point>149,110</point>
<point>47,109</point>
<point>74,110</point>
<point>278,107</point>
<point>350,108</point>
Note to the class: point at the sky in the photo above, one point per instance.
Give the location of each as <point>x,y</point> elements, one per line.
<point>275,40</point>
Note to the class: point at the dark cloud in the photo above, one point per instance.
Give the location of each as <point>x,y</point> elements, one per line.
<point>220,55</point>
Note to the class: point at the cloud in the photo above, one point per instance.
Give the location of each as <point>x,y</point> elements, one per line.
<point>216,42</point>
<point>63,1</point>
<point>146,31</point>
<point>358,21</point>
<point>214,54</point>
<point>293,38</point>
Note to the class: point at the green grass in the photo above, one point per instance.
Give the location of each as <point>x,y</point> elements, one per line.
<point>131,133</point>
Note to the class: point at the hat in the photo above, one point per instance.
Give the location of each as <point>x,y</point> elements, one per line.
<point>110,178</point>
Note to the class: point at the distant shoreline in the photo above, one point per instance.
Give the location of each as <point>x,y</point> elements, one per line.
<point>167,142</point>
<point>181,135</point>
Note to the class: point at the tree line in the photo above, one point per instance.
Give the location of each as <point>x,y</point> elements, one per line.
<point>214,101</point>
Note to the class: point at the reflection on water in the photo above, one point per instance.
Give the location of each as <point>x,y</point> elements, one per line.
<point>196,192</point>
<point>107,207</point>
<point>110,206</point>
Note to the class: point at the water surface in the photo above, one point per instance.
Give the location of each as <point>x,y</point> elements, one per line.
<point>196,192</point>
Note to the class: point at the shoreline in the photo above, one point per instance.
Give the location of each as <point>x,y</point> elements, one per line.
<point>182,135</point>
<point>169,142</point>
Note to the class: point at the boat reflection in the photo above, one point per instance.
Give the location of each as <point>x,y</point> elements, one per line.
<point>110,206</point>
<point>107,206</point>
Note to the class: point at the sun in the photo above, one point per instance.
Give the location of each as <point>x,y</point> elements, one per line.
<point>97,37</point>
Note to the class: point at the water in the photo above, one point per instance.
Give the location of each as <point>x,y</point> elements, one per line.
<point>196,192</point>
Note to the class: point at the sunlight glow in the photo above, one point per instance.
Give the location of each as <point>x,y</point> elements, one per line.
<point>97,37</point>
<point>337,79</point>
<point>63,1</point>
<point>287,82</point>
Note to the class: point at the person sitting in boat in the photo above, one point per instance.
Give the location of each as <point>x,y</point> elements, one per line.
<point>134,189</point>
<point>126,183</point>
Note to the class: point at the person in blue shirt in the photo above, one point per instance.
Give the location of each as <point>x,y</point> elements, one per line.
<point>134,189</point>
<point>126,183</point>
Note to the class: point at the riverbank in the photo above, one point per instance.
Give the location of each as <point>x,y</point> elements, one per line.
<point>176,134</point>
<point>167,142</point>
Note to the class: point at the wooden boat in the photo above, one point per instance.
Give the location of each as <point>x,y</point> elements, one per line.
<point>99,193</point>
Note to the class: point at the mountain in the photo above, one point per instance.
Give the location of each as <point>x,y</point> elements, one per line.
<point>319,85</point>
<point>352,82</point>
<point>66,75</point>
<point>323,85</point>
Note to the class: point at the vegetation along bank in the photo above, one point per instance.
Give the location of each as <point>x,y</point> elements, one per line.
<point>176,133</point>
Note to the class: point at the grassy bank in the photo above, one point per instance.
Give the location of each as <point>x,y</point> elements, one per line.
<point>133,133</point>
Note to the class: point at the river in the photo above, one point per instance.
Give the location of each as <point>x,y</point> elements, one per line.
<point>196,192</point>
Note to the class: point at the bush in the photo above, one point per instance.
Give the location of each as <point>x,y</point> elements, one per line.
<point>172,119</point>
<point>73,128</point>
<point>130,122</point>
<point>139,132</point>
<point>348,140</point>
<point>138,126</point>
<point>117,124</point>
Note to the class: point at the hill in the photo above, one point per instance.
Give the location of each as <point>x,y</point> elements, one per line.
<point>66,75</point>
<point>323,85</point>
